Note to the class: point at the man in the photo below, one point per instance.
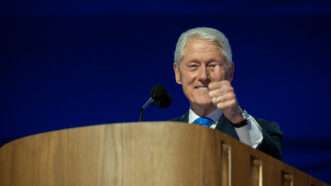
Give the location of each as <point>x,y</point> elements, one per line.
<point>204,68</point>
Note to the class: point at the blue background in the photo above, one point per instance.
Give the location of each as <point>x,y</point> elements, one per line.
<point>75,63</point>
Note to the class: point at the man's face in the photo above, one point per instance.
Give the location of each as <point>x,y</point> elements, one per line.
<point>202,62</point>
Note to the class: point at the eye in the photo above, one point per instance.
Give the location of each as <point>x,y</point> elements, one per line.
<point>192,66</point>
<point>212,65</point>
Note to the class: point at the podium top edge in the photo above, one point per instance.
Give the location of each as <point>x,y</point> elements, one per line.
<point>91,126</point>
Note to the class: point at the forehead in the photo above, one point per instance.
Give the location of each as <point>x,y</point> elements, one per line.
<point>201,47</point>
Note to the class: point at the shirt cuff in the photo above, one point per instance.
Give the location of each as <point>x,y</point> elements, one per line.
<point>250,134</point>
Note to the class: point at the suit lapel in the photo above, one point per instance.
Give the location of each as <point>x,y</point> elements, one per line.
<point>182,118</point>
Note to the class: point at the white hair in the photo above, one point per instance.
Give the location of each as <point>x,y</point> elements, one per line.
<point>209,34</point>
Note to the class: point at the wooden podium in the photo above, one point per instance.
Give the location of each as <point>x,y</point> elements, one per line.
<point>141,154</point>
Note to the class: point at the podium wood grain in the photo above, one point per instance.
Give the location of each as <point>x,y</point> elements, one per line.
<point>139,154</point>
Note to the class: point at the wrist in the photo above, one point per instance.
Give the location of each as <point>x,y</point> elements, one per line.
<point>237,119</point>
<point>241,119</point>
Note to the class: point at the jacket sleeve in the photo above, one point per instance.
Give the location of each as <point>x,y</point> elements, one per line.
<point>272,139</point>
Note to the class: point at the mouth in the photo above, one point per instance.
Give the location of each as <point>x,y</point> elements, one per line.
<point>201,87</point>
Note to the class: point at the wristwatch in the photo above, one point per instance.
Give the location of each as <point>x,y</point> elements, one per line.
<point>244,122</point>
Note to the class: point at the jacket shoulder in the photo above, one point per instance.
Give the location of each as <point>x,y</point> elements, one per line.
<point>182,118</point>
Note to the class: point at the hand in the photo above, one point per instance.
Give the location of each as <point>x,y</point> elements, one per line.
<point>223,96</point>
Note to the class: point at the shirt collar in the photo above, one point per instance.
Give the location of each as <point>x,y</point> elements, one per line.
<point>215,115</point>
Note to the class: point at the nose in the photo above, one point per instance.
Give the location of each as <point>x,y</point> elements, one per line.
<point>204,74</point>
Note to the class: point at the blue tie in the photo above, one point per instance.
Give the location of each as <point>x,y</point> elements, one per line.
<point>203,121</point>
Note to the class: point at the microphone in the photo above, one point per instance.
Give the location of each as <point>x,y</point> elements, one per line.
<point>159,97</point>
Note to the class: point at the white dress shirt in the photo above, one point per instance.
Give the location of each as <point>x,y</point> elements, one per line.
<point>249,134</point>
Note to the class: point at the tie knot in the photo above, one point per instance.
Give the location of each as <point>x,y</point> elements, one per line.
<point>203,121</point>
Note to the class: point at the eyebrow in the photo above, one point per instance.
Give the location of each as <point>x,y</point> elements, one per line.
<point>194,61</point>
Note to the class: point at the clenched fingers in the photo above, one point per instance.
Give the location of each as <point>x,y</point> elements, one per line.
<point>222,94</point>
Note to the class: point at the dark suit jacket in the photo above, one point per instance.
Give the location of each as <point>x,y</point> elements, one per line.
<point>272,136</point>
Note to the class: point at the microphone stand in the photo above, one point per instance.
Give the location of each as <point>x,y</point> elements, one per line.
<point>142,109</point>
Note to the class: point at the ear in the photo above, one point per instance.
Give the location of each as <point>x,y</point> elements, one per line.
<point>177,74</point>
<point>230,73</point>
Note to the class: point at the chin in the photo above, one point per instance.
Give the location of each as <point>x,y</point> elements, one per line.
<point>203,102</point>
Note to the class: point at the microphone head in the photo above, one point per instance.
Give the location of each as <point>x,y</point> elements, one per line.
<point>160,96</point>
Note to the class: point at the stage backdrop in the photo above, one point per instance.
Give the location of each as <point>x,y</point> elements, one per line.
<point>69,63</point>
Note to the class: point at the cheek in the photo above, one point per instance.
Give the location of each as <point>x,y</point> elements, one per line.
<point>187,78</point>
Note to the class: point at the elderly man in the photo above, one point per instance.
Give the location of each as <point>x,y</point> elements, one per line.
<point>204,68</point>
